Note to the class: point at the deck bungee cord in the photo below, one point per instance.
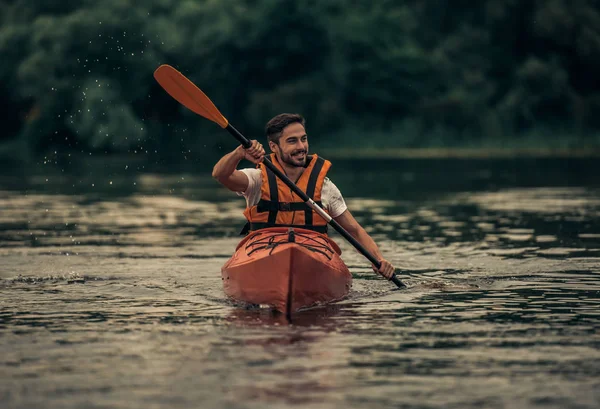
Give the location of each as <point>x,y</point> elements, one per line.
<point>320,244</point>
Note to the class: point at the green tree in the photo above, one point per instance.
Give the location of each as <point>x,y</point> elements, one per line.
<point>78,75</point>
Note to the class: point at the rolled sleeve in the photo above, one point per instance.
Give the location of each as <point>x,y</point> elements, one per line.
<point>252,192</point>
<point>332,199</point>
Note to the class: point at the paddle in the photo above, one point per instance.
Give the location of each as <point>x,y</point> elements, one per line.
<point>190,96</point>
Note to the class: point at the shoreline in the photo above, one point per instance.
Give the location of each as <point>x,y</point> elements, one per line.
<point>123,163</point>
<point>459,153</point>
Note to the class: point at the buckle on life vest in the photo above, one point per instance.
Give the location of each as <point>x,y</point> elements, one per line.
<point>285,206</point>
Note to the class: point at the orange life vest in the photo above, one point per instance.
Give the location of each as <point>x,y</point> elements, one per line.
<point>280,207</point>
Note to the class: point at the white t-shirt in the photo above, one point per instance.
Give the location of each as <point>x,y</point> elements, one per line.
<point>331,197</point>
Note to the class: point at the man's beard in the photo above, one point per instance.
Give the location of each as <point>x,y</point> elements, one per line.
<point>293,162</point>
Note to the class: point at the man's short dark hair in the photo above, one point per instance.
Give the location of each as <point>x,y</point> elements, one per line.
<point>277,124</point>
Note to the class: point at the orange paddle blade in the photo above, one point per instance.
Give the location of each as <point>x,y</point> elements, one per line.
<point>187,94</point>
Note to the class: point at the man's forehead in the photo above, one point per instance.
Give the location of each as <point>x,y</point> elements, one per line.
<point>293,130</point>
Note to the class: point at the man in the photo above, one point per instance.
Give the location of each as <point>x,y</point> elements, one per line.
<point>289,143</point>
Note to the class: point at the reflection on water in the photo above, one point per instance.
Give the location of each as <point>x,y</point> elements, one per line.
<point>111,297</point>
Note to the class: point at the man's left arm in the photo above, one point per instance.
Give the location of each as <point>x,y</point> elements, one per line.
<point>349,223</point>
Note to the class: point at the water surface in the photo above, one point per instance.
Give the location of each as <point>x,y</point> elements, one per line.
<point>110,293</point>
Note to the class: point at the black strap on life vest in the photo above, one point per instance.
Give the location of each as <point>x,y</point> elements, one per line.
<point>273,193</point>
<point>267,206</point>
<point>310,189</point>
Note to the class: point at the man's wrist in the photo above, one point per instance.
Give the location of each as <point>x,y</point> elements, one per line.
<point>241,152</point>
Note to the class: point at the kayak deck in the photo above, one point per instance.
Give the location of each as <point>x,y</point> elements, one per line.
<point>287,269</point>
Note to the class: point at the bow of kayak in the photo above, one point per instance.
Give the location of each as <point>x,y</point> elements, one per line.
<point>287,269</point>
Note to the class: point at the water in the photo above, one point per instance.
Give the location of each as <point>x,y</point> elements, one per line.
<point>110,294</point>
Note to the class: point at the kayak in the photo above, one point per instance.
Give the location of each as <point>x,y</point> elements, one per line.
<point>287,269</point>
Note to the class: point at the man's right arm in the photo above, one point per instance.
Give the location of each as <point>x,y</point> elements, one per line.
<point>225,170</point>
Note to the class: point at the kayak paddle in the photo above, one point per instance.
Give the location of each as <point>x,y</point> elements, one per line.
<point>189,95</point>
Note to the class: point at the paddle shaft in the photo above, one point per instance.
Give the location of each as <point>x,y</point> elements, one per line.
<point>246,144</point>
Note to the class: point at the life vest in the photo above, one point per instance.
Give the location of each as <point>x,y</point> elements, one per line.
<point>280,207</point>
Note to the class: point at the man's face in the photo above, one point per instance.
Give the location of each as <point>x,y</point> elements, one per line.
<point>293,145</point>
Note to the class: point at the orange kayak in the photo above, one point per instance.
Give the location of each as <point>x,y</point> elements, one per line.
<point>287,269</point>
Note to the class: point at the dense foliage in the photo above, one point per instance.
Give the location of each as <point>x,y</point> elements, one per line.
<point>77,75</point>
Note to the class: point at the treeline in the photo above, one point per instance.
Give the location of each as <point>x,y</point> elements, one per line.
<point>77,75</point>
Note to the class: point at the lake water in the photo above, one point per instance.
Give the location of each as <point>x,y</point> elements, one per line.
<point>110,293</point>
